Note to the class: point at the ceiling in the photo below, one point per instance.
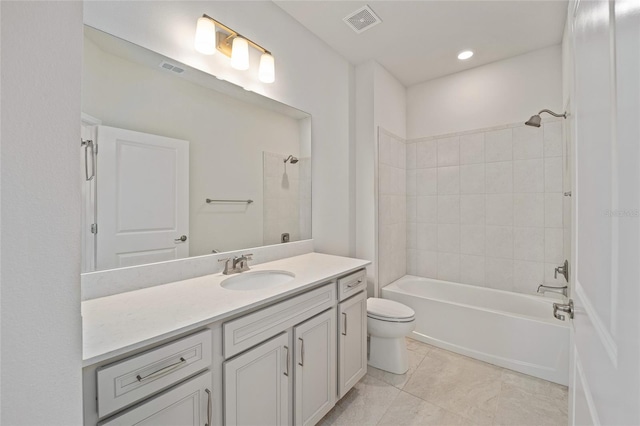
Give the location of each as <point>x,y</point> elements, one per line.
<point>420,40</point>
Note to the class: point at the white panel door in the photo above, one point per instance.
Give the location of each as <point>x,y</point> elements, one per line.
<point>256,385</point>
<point>315,368</point>
<point>143,198</point>
<point>606,367</point>
<point>352,342</point>
<point>189,404</point>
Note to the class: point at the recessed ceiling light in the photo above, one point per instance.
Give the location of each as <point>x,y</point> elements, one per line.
<point>465,55</point>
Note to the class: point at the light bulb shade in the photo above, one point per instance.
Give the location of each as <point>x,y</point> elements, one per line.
<point>240,54</point>
<point>205,41</point>
<point>267,70</point>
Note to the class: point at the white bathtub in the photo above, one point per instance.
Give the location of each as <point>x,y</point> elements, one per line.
<point>514,331</point>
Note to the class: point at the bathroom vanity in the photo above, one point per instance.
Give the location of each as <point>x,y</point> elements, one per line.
<point>203,352</point>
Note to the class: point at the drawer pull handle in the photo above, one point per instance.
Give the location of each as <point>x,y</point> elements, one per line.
<point>355,284</point>
<point>301,363</point>
<point>344,333</point>
<point>209,407</point>
<point>162,371</point>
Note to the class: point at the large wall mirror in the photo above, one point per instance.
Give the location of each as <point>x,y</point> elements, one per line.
<point>177,163</point>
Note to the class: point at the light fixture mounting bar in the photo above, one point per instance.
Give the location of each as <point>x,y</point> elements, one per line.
<point>233,34</point>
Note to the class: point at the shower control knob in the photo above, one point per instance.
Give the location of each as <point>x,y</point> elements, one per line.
<point>182,239</point>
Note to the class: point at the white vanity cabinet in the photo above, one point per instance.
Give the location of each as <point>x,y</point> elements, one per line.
<point>256,385</point>
<point>352,335</point>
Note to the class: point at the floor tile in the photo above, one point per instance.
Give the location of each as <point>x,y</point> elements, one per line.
<point>409,410</point>
<point>398,380</point>
<point>365,404</point>
<point>417,346</point>
<point>519,407</point>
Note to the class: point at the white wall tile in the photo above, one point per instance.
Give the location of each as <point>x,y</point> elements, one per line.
<point>498,145</point>
<point>472,148</point>
<point>499,209</point>
<point>448,209</point>
<point>427,264</point>
<point>472,209</point>
<point>411,182</point>
<point>449,238</point>
<point>411,209</point>
<point>528,244</point>
<point>553,245</point>
<point>412,262</point>
<point>499,241</point>
<point>448,267</point>
<point>427,209</point>
<point>552,139</point>
<point>449,151</point>
<point>553,174</point>
<point>427,236</point>
<point>472,270</point>
<point>528,209</point>
<point>499,177</point>
<point>426,181</point>
<point>449,180</point>
<point>528,175</point>
<point>553,210</point>
<point>410,156</point>
<point>527,143</point>
<point>426,154</point>
<point>412,230</point>
<point>527,276</point>
<point>472,239</point>
<point>499,273</point>
<point>472,179</point>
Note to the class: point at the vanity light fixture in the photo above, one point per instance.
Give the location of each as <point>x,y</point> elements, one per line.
<point>208,39</point>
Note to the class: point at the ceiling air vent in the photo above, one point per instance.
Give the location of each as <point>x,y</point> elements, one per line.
<point>170,67</point>
<point>362,19</point>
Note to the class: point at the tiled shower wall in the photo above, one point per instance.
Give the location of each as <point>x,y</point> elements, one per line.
<point>483,207</point>
<point>392,208</point>
<point>287,198</point>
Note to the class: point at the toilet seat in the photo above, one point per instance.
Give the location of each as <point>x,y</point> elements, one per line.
<point>388,310</point>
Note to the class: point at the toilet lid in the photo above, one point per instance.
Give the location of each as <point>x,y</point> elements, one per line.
<point>384,308</point>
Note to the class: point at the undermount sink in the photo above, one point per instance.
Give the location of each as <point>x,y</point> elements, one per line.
<point>257,280</point>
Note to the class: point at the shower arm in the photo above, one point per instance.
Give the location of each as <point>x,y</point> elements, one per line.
<point>548,111</point>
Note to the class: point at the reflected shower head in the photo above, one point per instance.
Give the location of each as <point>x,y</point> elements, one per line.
<point>291,159</point>
<point>535,120</point>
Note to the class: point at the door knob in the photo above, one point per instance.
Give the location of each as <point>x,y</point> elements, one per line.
<point>182,239</point>
<point>563,307</point>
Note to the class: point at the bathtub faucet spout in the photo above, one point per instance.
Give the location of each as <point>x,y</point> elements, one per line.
<point>544,288</point>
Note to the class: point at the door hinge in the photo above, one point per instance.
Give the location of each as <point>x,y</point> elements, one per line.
<point>94,228</point>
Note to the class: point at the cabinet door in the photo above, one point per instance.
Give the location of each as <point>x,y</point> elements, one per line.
<point>256,385</point>
<point>315,368</point>
<point>352,342</point>
<point>187,404</point>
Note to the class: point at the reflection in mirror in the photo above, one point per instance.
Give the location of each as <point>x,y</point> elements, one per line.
<point>182,164</point>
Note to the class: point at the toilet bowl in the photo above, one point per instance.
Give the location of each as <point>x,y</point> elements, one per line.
<point>388,322</point>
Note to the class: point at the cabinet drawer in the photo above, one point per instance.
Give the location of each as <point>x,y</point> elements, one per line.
<point>128,381</point>
<point>249,330</point>
<point>188,404</point>
<point>352,284</point>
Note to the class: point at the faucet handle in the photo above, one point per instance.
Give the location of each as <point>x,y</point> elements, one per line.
<point>248,256</point>
<point>226,265</point>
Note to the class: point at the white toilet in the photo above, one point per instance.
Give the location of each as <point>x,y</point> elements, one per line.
<point>388,323</point>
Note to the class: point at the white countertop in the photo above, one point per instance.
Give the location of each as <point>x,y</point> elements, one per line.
<point>115,325</point>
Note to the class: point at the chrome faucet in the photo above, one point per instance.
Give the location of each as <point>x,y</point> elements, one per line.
<point>236,264</point>
<point>544,288</point>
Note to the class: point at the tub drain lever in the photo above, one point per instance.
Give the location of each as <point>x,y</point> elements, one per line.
<point>563,307</point>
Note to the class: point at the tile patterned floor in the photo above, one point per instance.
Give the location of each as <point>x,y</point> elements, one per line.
<point>444,388</point>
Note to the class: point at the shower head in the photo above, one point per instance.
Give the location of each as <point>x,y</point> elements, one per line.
<point>291,159</point>
<point>535,119</point>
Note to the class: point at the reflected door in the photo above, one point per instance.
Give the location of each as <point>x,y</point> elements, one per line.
<point>143,198</point>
